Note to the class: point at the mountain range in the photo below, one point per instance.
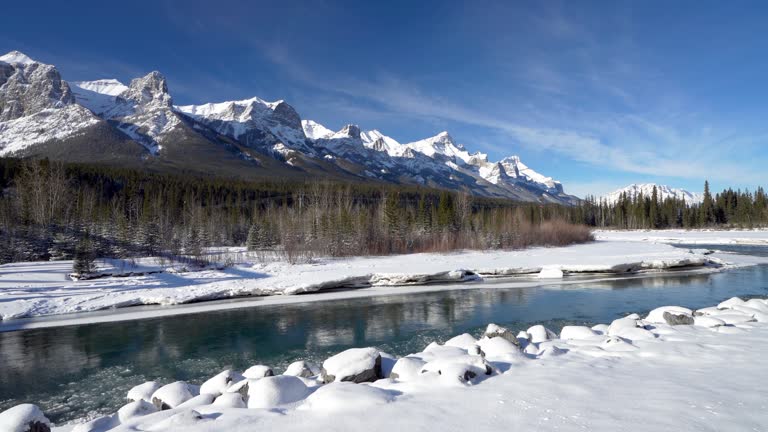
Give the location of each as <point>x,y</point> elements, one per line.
<point>138,125</point>
<point>646,190</point>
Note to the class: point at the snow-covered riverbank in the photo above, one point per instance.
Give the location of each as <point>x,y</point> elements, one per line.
<point>43,289</point>
<point>674,369</point>
<point>705,237</point>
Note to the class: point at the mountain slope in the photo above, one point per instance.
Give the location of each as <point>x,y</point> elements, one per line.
<point>106,121</point>
<point>646,190</point>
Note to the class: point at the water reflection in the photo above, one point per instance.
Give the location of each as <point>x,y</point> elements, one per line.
<point>72,371</point>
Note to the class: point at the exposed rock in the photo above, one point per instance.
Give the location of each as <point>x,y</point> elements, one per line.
<point>494,330</point>
<point>656,316</point>
<point>678,319</point>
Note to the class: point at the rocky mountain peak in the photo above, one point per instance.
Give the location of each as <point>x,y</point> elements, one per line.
<point>151,88</point>
<point>28,87</point>
<point>350,130</point>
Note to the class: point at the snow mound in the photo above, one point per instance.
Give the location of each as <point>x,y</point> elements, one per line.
<point>230,400</point>
<point>576,332</point>
<point>465,341</point>
<point>273,391</point>
<point>135,409</point>
<point>143,391</point>
<point>171,395</point>
<point>407,368</point>
<point>343,396</point>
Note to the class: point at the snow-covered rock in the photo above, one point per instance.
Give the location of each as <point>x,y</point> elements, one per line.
<point>273,391</point>
<point>258,371</point>
<point>197,401</point>
<point>135,409</point>
<point>498,348</point>
<point>656,316</point>
<point>539,333</point>
<point>356,365</point>
<point>728,304</point>
<point>620,324</point>
<point>674,318</point>
<point>465,341</point>
<point>219,383</point>
<point>143,391</point>
<point>24,418</point>
<point>707,321</point>
<point>407,368</point>
<point>301,369</point>
<point>230,400</point>
<point>460,369</point>
<point>601,328</point>
<point>494,330</point>
<point>171,395</point>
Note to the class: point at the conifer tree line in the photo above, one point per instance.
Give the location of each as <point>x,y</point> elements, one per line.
<point>740,209</point>
<point>53,211</point>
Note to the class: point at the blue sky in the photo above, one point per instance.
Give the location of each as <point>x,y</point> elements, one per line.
<point>595,94</point>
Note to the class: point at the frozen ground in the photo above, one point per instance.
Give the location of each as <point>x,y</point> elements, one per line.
<point>707,375</point>
<point>42,288</point>
<point>708,237</point>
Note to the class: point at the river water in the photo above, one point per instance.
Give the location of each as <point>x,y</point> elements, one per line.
<point>75,371</point>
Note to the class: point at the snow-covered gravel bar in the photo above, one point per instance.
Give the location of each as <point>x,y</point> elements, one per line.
<point>674,369</point>
<point>38,289</point>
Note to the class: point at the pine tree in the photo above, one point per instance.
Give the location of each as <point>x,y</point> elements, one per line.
<point>654,216</point>
<point>707,210</point>
<point>83,264</point>
<point>254,237</point>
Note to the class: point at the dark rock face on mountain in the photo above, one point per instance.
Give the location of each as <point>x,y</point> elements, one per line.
<point>28,87</point>
<point>137,125</point>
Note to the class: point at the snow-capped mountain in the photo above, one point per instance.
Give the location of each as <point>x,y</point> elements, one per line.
<point>646,190</point>
<point>248,120</point>
<point>36,105</point>
<point>138,124</point>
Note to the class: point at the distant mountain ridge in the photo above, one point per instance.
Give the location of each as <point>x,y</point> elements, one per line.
<point>138,124</point>
<point>646,190</point>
